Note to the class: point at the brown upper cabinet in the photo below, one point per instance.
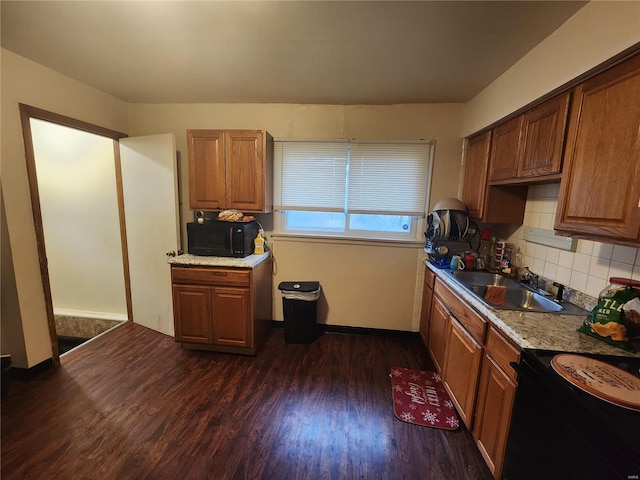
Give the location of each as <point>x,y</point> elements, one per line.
<point>475,175</point>
<point>542,138</point>
<point>230,169</point>
<point>489,203</point>
<point>530,145</point>
<point>600,187</point>
<point>524,149</point>
<point>503,164</point>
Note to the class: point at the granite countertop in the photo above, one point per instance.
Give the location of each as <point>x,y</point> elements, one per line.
<point>545,331</point>
<point>197,260</point>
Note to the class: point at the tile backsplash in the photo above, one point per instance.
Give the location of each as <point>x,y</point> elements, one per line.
<point>586,270</point>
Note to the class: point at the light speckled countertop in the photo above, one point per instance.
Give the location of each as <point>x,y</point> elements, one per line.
<point>196,260</point>
<point>545,331</point>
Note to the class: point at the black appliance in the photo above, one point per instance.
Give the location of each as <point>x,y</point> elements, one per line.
<point>222,239</point>
<point>559,431</point>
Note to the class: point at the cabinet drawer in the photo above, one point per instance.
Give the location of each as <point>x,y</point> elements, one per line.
<point>429,277</point>
<point>472,321</point>
<point>502,351</point>
<point>211,276</point>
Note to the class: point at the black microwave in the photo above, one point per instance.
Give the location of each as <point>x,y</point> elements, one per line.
<point>222,239</point>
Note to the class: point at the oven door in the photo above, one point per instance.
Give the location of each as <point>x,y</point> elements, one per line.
<point>560,432</point>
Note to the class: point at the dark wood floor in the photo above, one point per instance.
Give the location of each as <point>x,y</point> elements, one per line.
<point>133,405</point>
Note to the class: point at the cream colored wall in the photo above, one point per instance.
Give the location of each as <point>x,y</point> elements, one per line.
<point>363,285</point>
<point>12,340</point>
<point>24,81</point>
<point>386,277</point>
<point>595,33</point>
<point>80,217</point>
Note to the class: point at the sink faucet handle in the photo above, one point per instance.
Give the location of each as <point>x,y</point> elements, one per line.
<point>560,291</point>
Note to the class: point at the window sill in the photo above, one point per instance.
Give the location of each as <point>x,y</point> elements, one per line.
<point>320,238</point>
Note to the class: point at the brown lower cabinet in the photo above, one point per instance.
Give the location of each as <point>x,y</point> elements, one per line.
<point>427,295</point>
<point>463,345</point>
<point>494,404</point>
<point>437,339</point>
<point>473,359</point>
<point>222,309</point>
<point>461,369</point>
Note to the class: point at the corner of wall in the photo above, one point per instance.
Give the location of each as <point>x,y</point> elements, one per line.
<point>10,319</point>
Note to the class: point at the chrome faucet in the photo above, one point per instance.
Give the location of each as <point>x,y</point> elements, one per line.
<point>529,277</point>
<point>525,275</point>
<point>535,281</point>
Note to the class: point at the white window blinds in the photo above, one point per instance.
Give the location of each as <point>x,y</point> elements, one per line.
<point>389,179</point>
<point>352,177</point>
<point>310,175</point>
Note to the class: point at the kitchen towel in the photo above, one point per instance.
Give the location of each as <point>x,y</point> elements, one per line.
<point>420,398</point>
<point>495,294</point>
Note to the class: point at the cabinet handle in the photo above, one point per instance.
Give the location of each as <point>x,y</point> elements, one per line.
<point>220,274</point>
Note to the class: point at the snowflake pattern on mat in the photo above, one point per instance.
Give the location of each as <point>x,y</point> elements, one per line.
<point>420,398</point>
<point>407,417</point>
<point>430,417</point>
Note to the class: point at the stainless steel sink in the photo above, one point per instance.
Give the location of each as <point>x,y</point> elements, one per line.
<point>483,278</point>
<point>517,296</point>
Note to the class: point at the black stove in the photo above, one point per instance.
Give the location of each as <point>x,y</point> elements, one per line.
<point>627,364</point>
<point>559,431</point>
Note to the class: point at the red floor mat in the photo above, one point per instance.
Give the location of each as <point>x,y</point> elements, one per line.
<point>420,398</point>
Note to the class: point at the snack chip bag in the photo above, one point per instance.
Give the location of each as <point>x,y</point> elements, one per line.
<point>608,320</point>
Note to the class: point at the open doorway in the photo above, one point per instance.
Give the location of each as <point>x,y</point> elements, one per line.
<point>146,184</point>
<point>79,203</point>
<point>75,185</point>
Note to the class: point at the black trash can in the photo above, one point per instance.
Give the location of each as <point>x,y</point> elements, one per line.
<point>300,305</point>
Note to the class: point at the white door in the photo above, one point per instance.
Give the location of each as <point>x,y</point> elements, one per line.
<point>150,191</point>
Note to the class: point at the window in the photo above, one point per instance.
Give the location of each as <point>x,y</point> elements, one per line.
<point>352,189</point>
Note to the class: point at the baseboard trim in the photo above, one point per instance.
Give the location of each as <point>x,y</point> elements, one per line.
<point>346,330</point>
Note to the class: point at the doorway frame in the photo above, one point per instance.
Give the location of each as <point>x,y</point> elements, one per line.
<point>28,112</point>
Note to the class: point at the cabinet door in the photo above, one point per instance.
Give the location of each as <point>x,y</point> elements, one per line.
<point>245,170</point>
<point>192,314</point>
<point>543,138</point>
<point>600,187</point>
<point>425,314</point>
<point>503,163</point>
<point>475,175</point>
<point>232,326</point>
<point>493,414</point>
<point>206,169</point>
<point>461,370</point>
<point>436,341</point>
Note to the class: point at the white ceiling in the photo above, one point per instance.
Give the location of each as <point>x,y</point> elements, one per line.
<point>322,52</point>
